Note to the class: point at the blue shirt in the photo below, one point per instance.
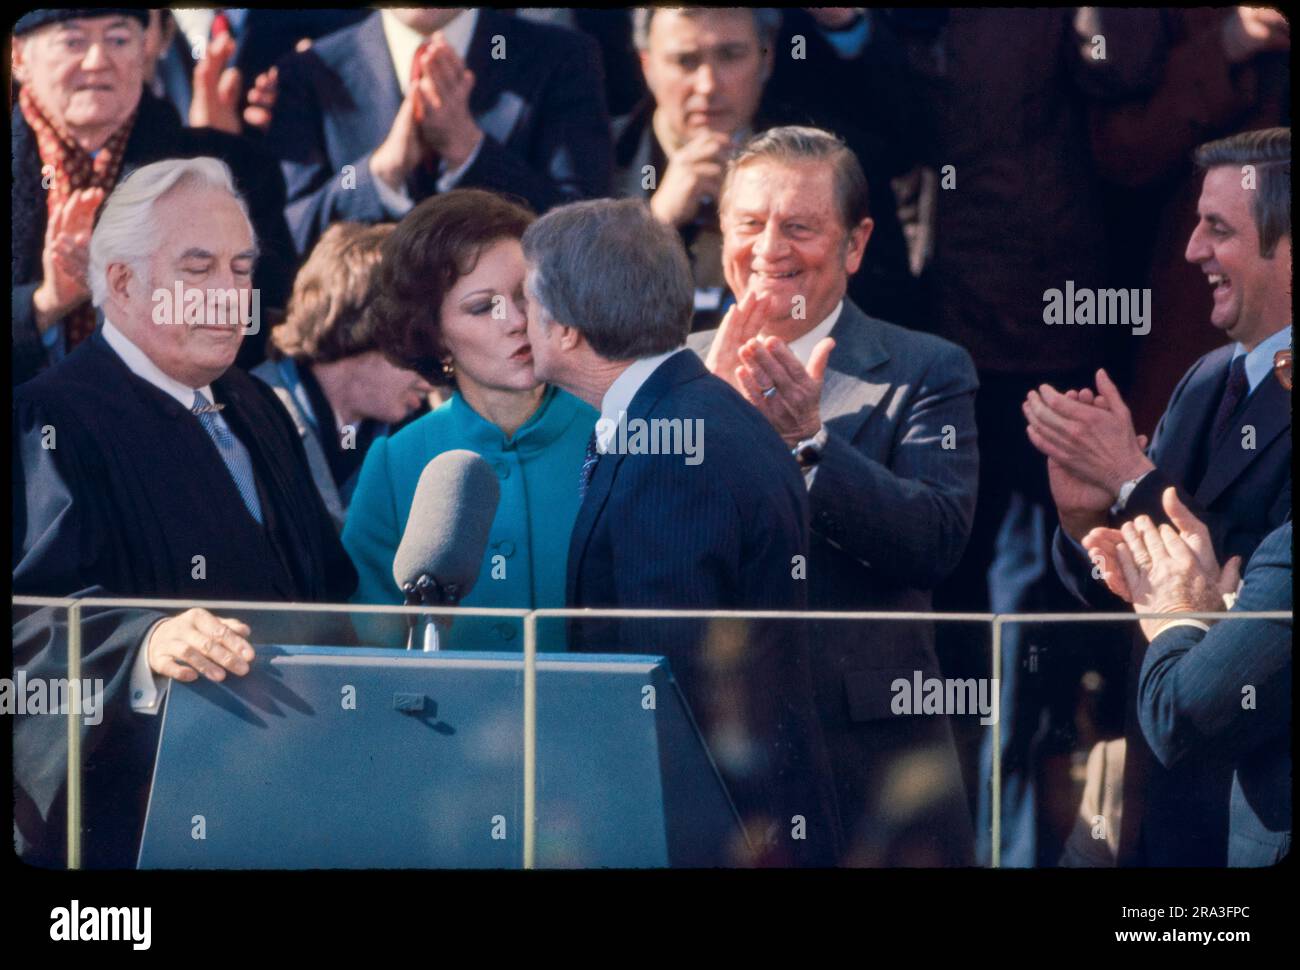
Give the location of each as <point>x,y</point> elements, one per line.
<point>1259,362</point>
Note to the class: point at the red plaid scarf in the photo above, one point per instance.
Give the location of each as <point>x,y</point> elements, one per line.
<point>67,167</point>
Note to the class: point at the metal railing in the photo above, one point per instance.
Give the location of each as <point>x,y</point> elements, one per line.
<point>76,608</point>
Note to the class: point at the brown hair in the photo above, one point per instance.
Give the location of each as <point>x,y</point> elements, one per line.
<point>327,317</point>
<point>437,243</point>
<point>1268,151</point>
<point>795,143</point>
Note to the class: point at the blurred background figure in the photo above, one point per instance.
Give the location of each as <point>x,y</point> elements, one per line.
<point>706,70</point>
<point>326,368</point>
<point>82,121</point>
<point>1017,211</point>
<point>449,306</point>
<point>216,64</point>
<point>412,102</point>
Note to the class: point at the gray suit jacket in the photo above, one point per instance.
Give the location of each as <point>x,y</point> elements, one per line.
<point>1191,703</point>
<point>892,504</point>
<point>289,391</point>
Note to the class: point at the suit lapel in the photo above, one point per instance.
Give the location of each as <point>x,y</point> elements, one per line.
<point>369,72</point>
<point>678,369</point>
<point>1268,412</point>
<point>494,103</point>
<point>593,504</point>
<point>1187,422</point>
<point>849,394</point>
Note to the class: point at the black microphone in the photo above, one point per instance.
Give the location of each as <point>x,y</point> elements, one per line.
<point>441,552</point>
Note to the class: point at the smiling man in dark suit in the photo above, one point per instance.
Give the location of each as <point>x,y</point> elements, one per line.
<point>1224,442</point>
<point>410,102</point>
<point>880,421</point>
<point>145,465</point>
<point>707,512</point>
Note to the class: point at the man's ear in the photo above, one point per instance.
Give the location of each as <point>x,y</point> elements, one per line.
<point>120,277</point>
<point>570,337</point>
<point>857,244</point>
<point>18,65</point>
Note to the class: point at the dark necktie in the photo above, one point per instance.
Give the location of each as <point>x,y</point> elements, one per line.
<point>1236,391</point>
<point>588,466</point>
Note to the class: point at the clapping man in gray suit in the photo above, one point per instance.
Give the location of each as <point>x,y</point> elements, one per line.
<point>881,420</point>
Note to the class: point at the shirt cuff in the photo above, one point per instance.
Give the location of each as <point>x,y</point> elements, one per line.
<point>1199,624</point>
<point>147,689</point>
<point>448,180</point>
<point>396,203</point>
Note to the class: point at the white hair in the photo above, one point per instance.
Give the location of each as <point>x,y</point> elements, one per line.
<point>127,230</point>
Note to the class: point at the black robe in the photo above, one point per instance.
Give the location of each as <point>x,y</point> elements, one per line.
<point>156,135</point>
<point>131,491</point>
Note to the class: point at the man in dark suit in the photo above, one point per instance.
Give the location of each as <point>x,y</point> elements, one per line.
<point>880,420</point>
<point>56,129</point>
<point>1221,692</point>
<point>496,103</point>
<point>1224,442</point>
<point>691,502</point>
<point>145,465</point>
<point>707,71</point>
<point>255,39</point>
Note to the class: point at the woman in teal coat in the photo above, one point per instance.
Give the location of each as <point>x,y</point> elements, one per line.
<point>449,305</point>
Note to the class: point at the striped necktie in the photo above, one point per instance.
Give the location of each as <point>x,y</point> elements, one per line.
<point>588,466</point>
<point>232,452</point>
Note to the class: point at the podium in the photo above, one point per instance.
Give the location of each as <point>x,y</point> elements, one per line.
<point>325,758</point>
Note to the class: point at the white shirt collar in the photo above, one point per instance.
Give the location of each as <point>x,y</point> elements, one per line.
<point>403,41</point>
<point>620,395</point>
<point>803,347</point>
<point>141,366</point>
<point>196,22</point>
<point>1259,362</point>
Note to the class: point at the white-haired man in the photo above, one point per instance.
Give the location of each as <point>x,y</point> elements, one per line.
<point>146,465</point>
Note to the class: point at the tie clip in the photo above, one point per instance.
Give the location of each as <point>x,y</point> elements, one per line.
<point>207,408</point>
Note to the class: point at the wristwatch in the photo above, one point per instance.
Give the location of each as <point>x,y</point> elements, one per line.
<point>809,451</point>
<point>1125,492</point>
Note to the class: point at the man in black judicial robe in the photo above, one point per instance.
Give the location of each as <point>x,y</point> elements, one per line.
<point>118,488</point>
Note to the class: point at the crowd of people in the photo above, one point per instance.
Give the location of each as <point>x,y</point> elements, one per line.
<point>829,236</point>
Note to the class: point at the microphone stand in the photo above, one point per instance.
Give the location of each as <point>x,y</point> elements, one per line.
<point>427,591</point>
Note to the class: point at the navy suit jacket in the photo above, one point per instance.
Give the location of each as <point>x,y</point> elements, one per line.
<point>1191,704</point>
<point>1179,816</point>
<point>725,533</point>
<point>263,38</point>
<point>1241,494</point>
<point>892,505</point>
<point>541,108</point>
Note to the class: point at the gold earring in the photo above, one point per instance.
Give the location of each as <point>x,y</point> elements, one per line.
<point>449,369</point>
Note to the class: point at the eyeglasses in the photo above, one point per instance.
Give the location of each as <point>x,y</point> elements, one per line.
<point>1282,367</point>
